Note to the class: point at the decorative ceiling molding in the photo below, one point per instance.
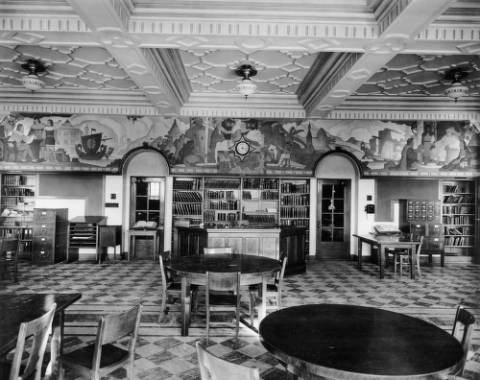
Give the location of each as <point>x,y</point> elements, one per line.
<point>269,106</point>
<point>156,73</point>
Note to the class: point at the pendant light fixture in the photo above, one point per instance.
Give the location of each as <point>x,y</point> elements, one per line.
<point>246,87</point>
<point>31,81</point>
<point>457,89</point>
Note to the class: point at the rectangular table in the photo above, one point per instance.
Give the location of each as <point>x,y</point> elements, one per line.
<point>18,308</point>
<point>384,242</point>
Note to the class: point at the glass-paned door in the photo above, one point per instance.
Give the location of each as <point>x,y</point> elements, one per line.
<point>333,219</point>
<point>147,200</point>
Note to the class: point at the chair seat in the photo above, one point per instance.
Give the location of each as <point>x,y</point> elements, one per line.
<point>84,356</point>
<point>174,286</point>
<point>270,288</point>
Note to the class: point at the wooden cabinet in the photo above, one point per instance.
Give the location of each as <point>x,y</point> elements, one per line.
<point>268,242</point>
<point>458,216</point>
<point>109,236</point>
<point>423,217</point>
<point>83,234</point>
<point>49,233</point>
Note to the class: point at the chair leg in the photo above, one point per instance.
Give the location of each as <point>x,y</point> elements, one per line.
<point>237,321</point>
<point>251,305</point>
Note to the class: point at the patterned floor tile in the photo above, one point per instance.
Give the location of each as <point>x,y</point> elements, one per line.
<point>163,354</point>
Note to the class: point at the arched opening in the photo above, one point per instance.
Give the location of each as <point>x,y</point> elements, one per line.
<point>336,186</point>
<point>145,185</point>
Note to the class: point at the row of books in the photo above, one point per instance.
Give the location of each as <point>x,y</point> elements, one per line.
<point>458,199</point>
<point>295,200</point>
<point>458,219</point>
<point>260,219</point>
<point>265,196</point>
<point>187,208</point>
<point>223,205</point>
<point>187,196</point>
<point>458,210</point>
<point>295,222</point>
<point>18,192</point>
<point>16,180</point>
<point>458,241</point>
<point>260,183</point>
<point>222,183</point>
<point>294,212</point>
<point>187,184</point>
<point>456,188</point>
<point>295,187</point>
<point>460,230</point>
<point>221,194</point>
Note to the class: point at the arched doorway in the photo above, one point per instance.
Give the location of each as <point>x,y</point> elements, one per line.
<point>145,177</point>
<point>337,175</point>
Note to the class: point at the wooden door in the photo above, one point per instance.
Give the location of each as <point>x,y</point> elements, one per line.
<point>333,219</point>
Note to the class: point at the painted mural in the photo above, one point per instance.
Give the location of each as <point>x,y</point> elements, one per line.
<point>238,146</point>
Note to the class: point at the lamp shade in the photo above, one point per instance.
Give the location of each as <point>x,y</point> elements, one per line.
<point>246,87</point>
<point>32,82</point>
<point>457,90</point>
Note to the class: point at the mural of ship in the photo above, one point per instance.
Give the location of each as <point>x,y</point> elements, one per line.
<point>91,147</point>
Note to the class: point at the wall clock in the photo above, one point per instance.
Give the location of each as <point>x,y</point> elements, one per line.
<point>242,147</point>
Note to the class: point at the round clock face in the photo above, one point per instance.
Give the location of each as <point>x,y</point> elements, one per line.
<point>242,148</point>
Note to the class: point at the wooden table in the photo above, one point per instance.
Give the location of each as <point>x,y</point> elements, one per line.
<point>384,242</point>
<point>133,234</point>
<point>192,269</point>
<point>18,308</point>
<point>356,342</point>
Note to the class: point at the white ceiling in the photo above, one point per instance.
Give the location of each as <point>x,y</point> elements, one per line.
<point>325,58</point>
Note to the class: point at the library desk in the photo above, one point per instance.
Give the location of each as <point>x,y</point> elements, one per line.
<point>384,242</point>
<point>359,343</point>
<point>18,308</point>
<point>133,234</point>
<point>192,270</point>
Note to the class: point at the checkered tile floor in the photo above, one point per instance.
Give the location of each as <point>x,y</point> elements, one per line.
<point>163,354</point>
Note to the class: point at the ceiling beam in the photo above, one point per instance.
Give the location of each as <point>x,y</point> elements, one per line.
<point>398,22</point>
<point>158,74</point>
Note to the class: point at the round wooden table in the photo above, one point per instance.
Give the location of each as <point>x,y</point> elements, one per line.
<point>356,342</point>
<point>192,270</point>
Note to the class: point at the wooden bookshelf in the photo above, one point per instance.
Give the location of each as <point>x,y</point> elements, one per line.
<point>458,216</point>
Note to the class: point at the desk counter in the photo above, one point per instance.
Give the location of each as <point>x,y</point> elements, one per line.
<point>267,242</point>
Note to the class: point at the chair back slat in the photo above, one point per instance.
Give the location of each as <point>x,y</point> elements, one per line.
<point>215,368</point>
<point>223,281</point>
<point>462,329</point>
<point>39,330</point>
<point>217,250</point>
<point>281,274</point>
<point>116,326</point>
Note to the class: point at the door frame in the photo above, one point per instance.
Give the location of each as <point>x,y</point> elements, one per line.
<point>337,164</point>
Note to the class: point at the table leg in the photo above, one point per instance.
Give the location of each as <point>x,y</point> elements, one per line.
<point>262,311</point>
<point>381,260</point>
<point>186,301</point>
<point>413,261</point>
<point>359,252</point>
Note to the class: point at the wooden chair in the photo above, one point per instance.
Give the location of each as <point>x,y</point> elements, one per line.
<point>222,293</point>
<point>102,357</point>
<point>215,368</point>
<point>9,258</point>
<point>464,332</point>
<point>39,330</point>
<point>274,291</point>
<point>219,250</point>
<point>170,286</point>
<point>403,257</point>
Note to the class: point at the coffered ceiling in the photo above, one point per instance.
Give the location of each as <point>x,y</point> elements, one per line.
<point>319,58</point>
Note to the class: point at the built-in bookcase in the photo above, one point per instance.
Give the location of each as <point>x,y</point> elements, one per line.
<point>217,202</point>
<point>18,199</point>
<point>458,216</point>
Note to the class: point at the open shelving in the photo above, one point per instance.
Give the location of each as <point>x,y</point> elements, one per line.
<point>458,216</point>
<point>18,199</point>
<point>217,202</point>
